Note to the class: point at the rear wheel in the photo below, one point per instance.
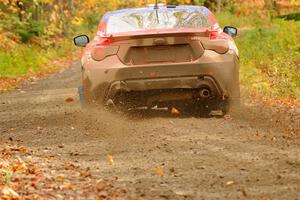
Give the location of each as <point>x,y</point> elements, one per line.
<point>223,105</point>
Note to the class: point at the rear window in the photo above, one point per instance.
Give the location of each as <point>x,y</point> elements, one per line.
<point>147,19</point>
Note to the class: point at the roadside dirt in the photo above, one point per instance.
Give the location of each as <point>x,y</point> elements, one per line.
<point>252,154</point>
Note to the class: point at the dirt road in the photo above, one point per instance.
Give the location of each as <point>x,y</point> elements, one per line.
<point>156,155</point>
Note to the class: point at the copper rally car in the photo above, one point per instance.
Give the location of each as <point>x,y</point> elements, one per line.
<point>161,56</point>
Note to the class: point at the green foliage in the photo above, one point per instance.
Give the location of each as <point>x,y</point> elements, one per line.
<point>198,2</point>
<point>269,47</point>
<point>226,5</point>
<point>270,58</point>
<point>27,58</point>
<point>25,29</point>
<point>7,176</point>
<point>242,21</point>
<point>291,16</point>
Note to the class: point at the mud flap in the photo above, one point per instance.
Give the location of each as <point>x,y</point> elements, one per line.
<point>81,97</point>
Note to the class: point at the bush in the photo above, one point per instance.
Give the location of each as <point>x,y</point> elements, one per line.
<point>25,29</point>
<point>27,58</point>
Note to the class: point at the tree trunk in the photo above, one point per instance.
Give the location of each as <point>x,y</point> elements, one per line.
<point>71,3</point>
<point>36,14</point>
<point>21,9</point>
<point>219,5</point>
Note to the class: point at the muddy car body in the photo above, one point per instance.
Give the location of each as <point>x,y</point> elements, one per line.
<point>160,56</point>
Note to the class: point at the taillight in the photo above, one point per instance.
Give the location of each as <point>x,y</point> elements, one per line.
<point>213,35</point>
<point>102,42</point>
<point>103,49</point>
<point>219,46</point>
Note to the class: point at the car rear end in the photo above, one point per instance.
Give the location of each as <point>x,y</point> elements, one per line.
<point>182,60</point>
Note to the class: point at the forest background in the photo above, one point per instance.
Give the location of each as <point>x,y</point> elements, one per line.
<point>36,33</point>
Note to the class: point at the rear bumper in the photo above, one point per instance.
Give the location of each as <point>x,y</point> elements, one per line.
<point>192,82</point>
<point>220,72</point>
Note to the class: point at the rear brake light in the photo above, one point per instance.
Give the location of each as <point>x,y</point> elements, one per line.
<point>102,42</point>
<point>213,35</point>
<point>219,46</point>
<point>103,49</point>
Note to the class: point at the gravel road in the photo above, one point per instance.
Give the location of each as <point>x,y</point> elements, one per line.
<point>155,155</point>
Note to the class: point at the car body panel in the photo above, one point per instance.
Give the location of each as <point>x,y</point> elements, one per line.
<point>172,62</point>
<point>222,71</point>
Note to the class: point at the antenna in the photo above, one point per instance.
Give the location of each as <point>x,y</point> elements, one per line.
<point>156,10</point>
<point>156,4</point>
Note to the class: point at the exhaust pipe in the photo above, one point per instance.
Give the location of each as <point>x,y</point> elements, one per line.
<point>205,93</point>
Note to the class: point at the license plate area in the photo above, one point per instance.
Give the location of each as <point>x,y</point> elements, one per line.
<point>160,54</point>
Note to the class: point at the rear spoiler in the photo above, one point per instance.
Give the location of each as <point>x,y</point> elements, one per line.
<point>166,33</point>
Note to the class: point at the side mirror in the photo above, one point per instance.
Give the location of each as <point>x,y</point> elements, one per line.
<point>230,30</point>
<point>81,40</point>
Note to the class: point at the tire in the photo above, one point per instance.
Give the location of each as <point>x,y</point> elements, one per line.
<point>224,106</point>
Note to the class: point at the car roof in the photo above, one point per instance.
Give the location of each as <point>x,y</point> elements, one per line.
<point>137,10</point>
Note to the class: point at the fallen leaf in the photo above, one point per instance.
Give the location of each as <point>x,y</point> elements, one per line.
<point>22,150</point>
<point>244,193</point>
<point>19,165</point>
<point>230,183</point>
<point>67,186</point>
<point>172,170</point>
<point>85,174</point>
<point>182,192</point>
<point>69,99</point>
<point>159,171</point>
<point>8,193</point>
<point>61,177</point>
<point>110,159</point>
<point>174,111</point>
<point>265,198</point>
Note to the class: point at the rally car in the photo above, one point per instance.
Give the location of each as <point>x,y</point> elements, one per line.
<point>160,56</point>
